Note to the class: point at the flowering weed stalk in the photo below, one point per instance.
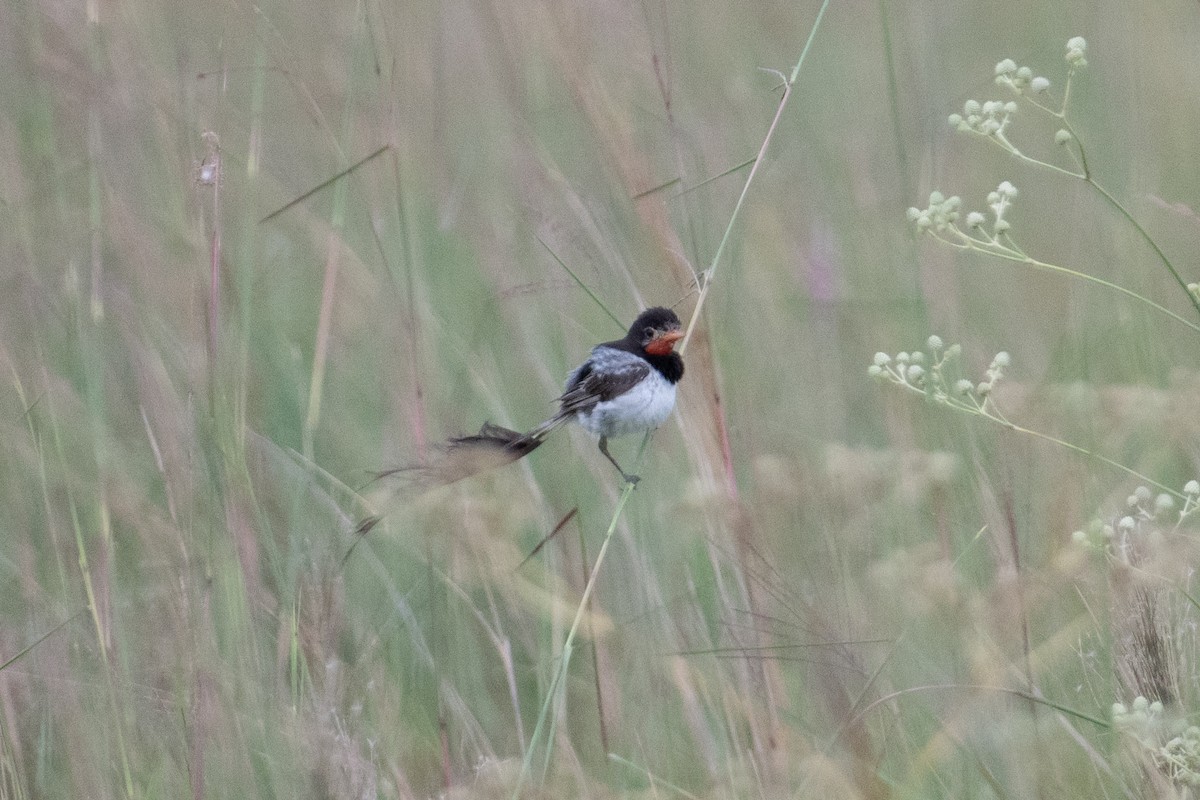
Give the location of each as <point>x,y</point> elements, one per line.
<point>1144,511</point>
<point>933,375</point>
<point>993,120</point>
<point>992,235</point>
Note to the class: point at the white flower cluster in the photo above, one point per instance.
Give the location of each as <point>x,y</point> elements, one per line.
<point>1076,50</point>
<point>1142,507</point>
<point>1000,201</point>
<point>1139,503</point>
<point>1019,79</point>
<point>995,372</point>
<point>989,118</point>
<point>1180,757</point>
<point>930,375</point>
<point>941,216</point>
<point>942,213</point>
<point>1143,721</point>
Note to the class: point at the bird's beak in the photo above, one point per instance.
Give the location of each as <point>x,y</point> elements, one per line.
<point>661,345</point>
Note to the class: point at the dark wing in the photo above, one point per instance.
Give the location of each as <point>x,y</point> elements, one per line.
<point>594,383</point>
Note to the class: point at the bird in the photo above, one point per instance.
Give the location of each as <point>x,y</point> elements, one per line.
<point>624,387</point>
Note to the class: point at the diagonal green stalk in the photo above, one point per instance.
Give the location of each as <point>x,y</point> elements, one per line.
<point>1083,451</point>
<point>990,412</point>
<point>1009,254</point>
<point>1195,301</point>
<point>654,780</point>
<point>580,283</point>
<point>964,687</point>
<point>568,644</point>
<point>710,273</point>
<point>544,723</point>
<point>24,650</point>
<point>1087,178</point>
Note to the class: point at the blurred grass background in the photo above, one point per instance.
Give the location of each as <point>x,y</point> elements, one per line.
<point>815,572</point>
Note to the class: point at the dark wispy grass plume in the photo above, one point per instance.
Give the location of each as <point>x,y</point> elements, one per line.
<point>463,456</point>
<point>459,458</point>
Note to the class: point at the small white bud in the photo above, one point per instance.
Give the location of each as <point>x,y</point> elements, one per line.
<point>1076,52</point>
<point>1006,67</point>
<point>1002,359</point>
<point>1191,487</point>
<point>1143,494</point>
<point>934,343</point>
<point>1062,136</point>
<point>963,387</point>
<point>1163,503</point>
<point>1126,524</point>
<point>975,220</point>
<point>1039,84</point>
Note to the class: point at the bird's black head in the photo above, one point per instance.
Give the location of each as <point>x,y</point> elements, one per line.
<point>656,330</point>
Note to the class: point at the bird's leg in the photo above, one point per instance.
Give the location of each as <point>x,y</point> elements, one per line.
<point>604,449</point>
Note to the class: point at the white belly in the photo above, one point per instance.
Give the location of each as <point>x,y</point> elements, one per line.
<point>642,409</point>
